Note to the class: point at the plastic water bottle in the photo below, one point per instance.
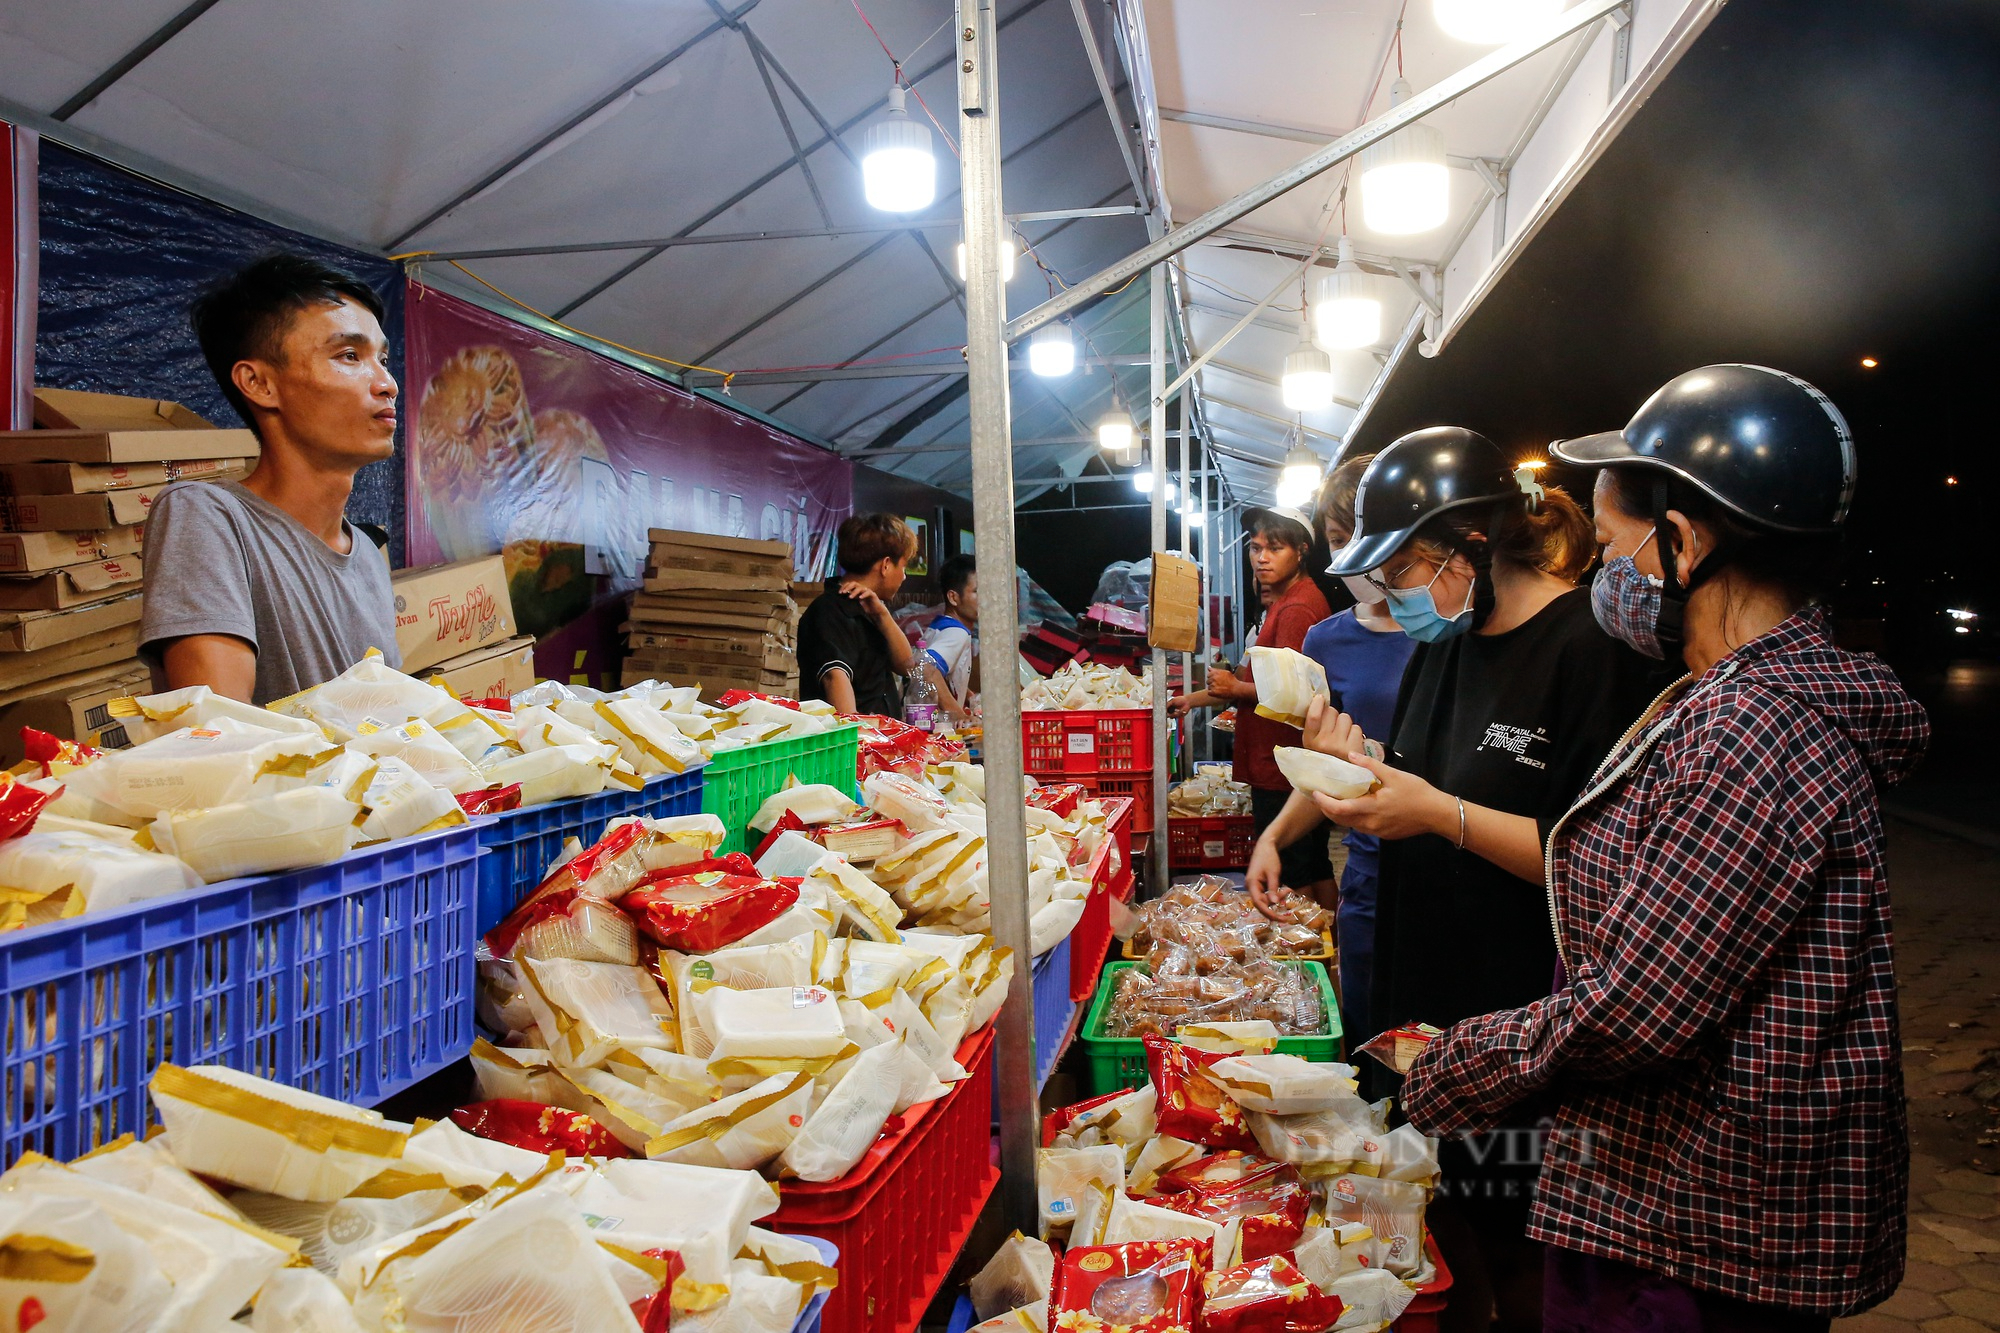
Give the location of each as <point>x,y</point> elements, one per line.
<point>920,702</point>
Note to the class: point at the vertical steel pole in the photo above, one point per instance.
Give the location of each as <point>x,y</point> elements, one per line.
<point>1187,544</point>
<point>993,519</point>
<point>1156,853</point>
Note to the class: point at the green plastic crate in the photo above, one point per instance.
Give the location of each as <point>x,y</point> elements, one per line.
<point>736,782</point>
<point>1120,1062</point>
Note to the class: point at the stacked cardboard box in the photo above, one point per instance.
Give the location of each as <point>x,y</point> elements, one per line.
<point>456,621</point>
<point>74,495</point>
<point>717,611</point>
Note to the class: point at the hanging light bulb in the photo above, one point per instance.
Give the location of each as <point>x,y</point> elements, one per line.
<point>1170,493</point>
<point>898,168</point>
<point>1009,252</point>
<point>1142,482</point>
<point>1293,495</point>
<point>1347,313</point>
<point>1307,385</point>
<point>1301,467</point>
<point>1491,22</point>
<point>1192,516</point>
<point>1405,187</point>
<point>1050,351</point>
<point>1115,436</point>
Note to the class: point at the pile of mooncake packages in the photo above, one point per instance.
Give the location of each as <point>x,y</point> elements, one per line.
<point>215,789</point>
<point>1212,957</point>
<point>1212,792</point>
<point>1088,685</point>
<point>320,1216</point>
<point>1239,1191</point>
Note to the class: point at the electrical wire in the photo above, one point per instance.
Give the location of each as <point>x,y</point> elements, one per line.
<point>902,82</point>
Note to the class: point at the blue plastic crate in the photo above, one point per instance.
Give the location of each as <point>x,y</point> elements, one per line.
<point>352,980</point>
<point>520,843</point>
<point>961,1315</point>
<point>1054,1011</point>
<point>829,1254</point>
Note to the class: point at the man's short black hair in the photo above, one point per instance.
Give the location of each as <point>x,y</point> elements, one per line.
<point>244,316</point>
<point>955,573</point>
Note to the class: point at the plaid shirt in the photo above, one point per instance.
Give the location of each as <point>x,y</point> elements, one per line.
<point>1724,1051</point>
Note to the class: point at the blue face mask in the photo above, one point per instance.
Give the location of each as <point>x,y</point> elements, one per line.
<point>1416,611</point>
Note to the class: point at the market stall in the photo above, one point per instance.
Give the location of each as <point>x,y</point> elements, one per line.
<point>711,1007</point>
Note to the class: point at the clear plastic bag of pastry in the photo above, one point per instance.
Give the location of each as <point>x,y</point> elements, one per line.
<point>1392,1209</point>
<point>1020,1273</point>
<point>384,1206</point>
<point>261,1135</point>
<point>148,717</point>
<point>372,693</point>
<point>1329,775</point>
<point>301,1300</point>
<point>811,803</point>
<point>645,738</point>
<point>742,1131</point>
<point>402,803</point>
<point>584,1011</point>
<point>306,826</point>
<point>911,801</point>
<point>50,876</point>
<point>66,1258</point>
<point>841,1128</point>
<point>531,1260</point>
<point>199,767</point>
<point>425,749</point>
<point>779,1022</point>
<point>1064,1175</point>
<point>1319,1143</point>
<point>1285,1084</point>
<point>147,1167</point>
<point>1287,683</point>
<point>572,924</point>
<point>553,773</point>
<point>215,1266</point>
<point>465,1160</point>
<point>860,906</point>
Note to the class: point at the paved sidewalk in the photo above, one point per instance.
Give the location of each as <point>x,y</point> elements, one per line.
<point>1947,901</point>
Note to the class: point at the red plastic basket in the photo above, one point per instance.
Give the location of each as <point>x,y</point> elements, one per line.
<point>1110,786</point>
<point>1210,842</point>
<point>1427,1310</point>
<point>903,1213</point>
<point>1064,744</point>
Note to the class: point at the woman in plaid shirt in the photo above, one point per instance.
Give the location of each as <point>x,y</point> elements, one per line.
<point>1729,1149</point>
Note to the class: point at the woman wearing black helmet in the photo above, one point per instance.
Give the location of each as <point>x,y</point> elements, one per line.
<point>1511,697</point>
<point>1729,1149</point>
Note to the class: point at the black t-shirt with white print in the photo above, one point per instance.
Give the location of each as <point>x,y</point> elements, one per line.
<point>1515,722</point>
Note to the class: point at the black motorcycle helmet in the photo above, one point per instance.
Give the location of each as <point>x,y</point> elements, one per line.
<point>1766,446</point>
<point>1413,480</point>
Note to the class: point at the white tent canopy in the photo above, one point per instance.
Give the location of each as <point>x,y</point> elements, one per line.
<point>680,176</point>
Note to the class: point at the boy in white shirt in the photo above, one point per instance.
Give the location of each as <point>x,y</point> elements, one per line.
<point>948,645</point>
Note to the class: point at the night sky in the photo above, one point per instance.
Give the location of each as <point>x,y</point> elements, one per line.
<point>1815,183</point>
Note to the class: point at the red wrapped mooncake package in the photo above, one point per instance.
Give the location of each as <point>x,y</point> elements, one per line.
<point>1143,1286</point>
<point>707,910</point>
<point>1268,1296</point>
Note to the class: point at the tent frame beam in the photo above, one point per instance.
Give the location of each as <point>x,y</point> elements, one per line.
<point>131,60</point>
<point>1439,94</point>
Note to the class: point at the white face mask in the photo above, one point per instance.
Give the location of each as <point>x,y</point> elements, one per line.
<point>1362,589</point>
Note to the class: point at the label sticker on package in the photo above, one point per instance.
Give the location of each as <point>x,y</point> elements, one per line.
<point>806,996</point>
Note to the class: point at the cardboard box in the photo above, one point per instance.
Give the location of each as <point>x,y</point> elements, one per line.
<point>756,649</point>
<point>670,568</point>
<point>447,611</point>
<point>75,707</point>
<point>777,623</point>
<point>74,427</point>
<point>35,552</point>
<point>72,585</point>
<point>100,648</point>
<point>713,542</point>
<point>78,513</point>
<point>1174,613</point>
<point>28,631</point>
<point>496,671</point>
<point>716,599</point>
<point>90,478</point>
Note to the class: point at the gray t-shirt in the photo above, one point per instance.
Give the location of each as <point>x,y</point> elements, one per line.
<point>222,560</point>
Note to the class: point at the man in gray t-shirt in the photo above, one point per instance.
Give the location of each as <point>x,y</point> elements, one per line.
<point>262,589</point>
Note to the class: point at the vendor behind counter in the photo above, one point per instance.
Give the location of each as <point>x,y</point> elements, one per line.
<point>262,588</point>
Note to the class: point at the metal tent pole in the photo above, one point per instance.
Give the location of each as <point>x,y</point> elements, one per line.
<point>1187,545</point>
<point>993,519</point>
<point>1156,850</point>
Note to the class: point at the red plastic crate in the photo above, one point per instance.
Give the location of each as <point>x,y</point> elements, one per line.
<point>1210,842</point>
<point>903,1213</point>
<point>1110,786</point>
<point>1083,741</point>
<point>1118,820</point>
<point>1427,1311</point>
